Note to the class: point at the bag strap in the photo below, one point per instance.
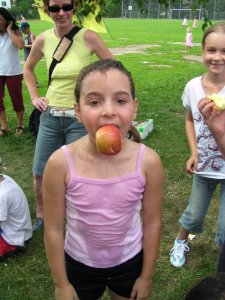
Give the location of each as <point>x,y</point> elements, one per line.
<point>61,50</point>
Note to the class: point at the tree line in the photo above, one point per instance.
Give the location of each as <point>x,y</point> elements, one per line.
<point>113,8</point>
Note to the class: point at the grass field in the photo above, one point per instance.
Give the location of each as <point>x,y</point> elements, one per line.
<point>160,73</point>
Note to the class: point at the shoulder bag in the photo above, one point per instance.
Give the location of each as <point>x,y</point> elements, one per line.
<point>62,48</point>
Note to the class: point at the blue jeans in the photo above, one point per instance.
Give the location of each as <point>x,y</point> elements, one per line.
<point>53,133</point>
<point>193,217</point>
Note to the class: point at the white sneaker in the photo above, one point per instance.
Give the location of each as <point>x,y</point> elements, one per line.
<point>177,253</point>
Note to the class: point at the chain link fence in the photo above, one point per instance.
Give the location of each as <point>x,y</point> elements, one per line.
<point>215,10</point>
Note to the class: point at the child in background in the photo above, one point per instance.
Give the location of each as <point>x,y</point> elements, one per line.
<point>206,161</point>
<point>28,38</point>
<point>28,41</point>
<point>101,197</point>
<point>23,19</point>
<point>185,22</point>
<point>188,40</point>
<point>195,23</point>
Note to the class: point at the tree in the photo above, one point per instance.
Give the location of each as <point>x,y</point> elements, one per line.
<point>111,9</point>
<point>23,7</point>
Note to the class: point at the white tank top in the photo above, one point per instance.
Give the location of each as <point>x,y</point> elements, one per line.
<point>10,57</point>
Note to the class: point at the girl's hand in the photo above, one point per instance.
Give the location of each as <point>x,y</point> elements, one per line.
<point>215,121</point>
<point>40,103</point>
<point>10,26</point>
<point>66,293</point>
<point>192,164</point>
<point>206,107</point>
<point>142,289</point>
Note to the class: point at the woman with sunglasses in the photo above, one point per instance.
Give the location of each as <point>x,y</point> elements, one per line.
<point>58,123</point>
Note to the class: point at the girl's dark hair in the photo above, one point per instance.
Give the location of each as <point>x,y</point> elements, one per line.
<point>217,27</point>
<point>102,66</point>
<point>8,18</point>
<point>209,288</point>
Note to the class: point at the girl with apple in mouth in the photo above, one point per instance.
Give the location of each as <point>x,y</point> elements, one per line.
<point>100,184</point>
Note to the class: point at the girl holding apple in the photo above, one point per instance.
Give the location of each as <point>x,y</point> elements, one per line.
<point>100,190</point>
<point>206,162</point>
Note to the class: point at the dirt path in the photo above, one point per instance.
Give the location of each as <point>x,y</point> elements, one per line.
<point>131,49</point>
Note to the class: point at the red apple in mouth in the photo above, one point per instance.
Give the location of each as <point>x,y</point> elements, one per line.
<point>108,140</point>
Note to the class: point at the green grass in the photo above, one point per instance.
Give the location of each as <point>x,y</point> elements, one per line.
<point>160,75</point>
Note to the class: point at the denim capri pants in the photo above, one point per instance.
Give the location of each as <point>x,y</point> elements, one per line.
<point>193,217</point>
<point>53,133</point>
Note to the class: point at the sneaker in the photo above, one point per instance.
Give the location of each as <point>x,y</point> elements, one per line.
<point>6,249</point>
<point>177,253</point>
<point>39,224</point>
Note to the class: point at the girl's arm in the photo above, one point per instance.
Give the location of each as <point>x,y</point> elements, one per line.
<point>16,36</point>
<point>32,38</point>
<point>192,163</point>
<point>152,209</point>
<point>96,45</point>
<point>34,57</point>
<point>54,190</point>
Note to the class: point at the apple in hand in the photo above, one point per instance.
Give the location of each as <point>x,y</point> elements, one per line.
<point>108,140</point>
<point>218,100</point>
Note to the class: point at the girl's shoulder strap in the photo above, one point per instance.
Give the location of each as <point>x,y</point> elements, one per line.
<point>140,157</point>
<point>69,160</point>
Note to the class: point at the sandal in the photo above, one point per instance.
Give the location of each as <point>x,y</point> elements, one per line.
<point>4,132</point>
<point>19,130</point>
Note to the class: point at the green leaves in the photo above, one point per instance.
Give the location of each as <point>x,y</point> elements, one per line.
<point>98,18</point>
<point>86,7</point>
<point>206,23</point>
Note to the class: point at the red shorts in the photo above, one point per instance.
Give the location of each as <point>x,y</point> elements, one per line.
<point>14,85</point>
<point>5,248</point>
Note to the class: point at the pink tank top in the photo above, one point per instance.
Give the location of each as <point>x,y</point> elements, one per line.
<point>104,226</point>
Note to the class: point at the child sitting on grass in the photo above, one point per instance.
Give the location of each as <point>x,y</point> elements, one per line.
<point>15,220</point>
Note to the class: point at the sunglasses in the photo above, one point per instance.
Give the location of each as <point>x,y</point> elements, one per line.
<point>56,8</point>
